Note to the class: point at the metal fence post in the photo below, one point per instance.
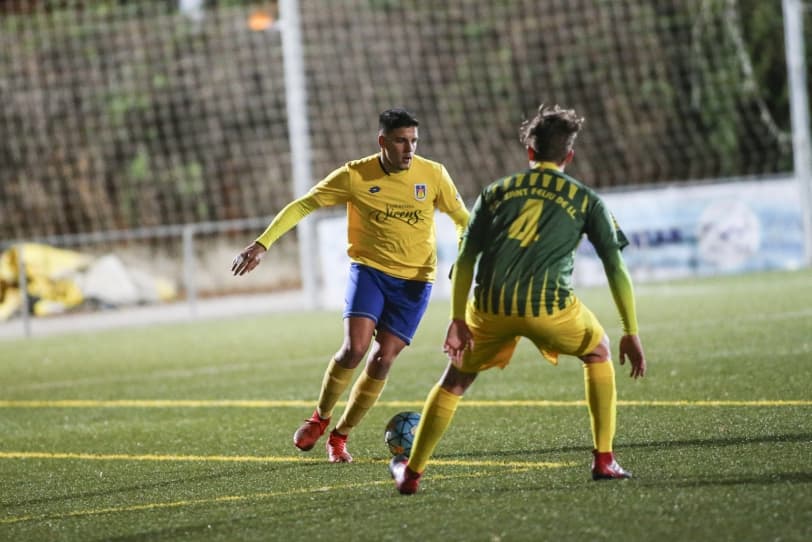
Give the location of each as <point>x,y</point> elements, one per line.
<point>189,279</point>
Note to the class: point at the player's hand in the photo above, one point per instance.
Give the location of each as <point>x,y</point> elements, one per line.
<point>632,348</point>
<point>458,339</point>
<point>248,259</point>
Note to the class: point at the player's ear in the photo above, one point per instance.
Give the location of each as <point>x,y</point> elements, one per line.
<point>531,154</point>
<point>381,140</point>
<point>570,155</point>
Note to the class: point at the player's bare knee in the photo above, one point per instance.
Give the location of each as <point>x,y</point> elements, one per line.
<point>378,365</point>
<point>351,354</point>
<point>600,353</point>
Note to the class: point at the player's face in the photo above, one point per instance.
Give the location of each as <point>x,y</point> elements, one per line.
<point>398,148</point>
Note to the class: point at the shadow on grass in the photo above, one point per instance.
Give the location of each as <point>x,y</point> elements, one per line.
<point>524,453</point>
<point>247,523</point>
<point>663,444</point>
<point>705,481</point>
<point>302,516</point>
<point>746,478</point>
<point>147,486</point>
<point>239,522</point>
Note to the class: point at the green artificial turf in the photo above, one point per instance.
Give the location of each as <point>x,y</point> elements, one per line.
<point>183,432</point>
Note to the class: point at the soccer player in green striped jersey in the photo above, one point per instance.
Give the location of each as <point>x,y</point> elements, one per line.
<point>521,240</point>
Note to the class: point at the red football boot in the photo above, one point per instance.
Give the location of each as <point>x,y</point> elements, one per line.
<point>604,467</point>
<point>310,431</point>
<point>406,480</point>
<point>337,448</point>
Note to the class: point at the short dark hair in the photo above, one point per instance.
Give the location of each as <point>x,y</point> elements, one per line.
<point>551,133</point>
<point>395,118</point>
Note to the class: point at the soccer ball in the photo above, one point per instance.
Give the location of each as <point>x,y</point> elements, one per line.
<point>399,433</point>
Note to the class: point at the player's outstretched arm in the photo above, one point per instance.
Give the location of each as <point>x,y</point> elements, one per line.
<point>620,283</point>
<point>632,348</point>
<point>293,212</point>
<point>248,259</point>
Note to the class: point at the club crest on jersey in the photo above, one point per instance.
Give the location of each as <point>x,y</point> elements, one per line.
<point>420,191</point>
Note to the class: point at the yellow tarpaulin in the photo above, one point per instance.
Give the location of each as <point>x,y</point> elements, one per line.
<point>49,275</point>
<point>55,279</point>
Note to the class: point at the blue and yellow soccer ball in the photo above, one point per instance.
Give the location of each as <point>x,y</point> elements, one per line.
<point>399,433</point>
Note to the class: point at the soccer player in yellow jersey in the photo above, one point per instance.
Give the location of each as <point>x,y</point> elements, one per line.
<point>391,198</point>
<point>522,237</point>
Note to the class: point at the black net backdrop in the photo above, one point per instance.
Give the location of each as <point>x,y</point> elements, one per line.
<point>123,115</point>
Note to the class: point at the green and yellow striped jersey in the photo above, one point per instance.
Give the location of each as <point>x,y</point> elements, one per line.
<point>525,229</point>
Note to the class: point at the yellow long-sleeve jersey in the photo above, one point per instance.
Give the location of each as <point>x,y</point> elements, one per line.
<point>390,216</point>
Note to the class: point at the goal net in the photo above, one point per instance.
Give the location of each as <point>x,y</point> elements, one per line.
<point>137,116</point>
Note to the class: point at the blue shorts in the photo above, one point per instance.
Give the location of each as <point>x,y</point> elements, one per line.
<point>394,304</point>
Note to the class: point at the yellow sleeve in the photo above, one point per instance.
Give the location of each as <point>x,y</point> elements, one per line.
<point>448,198</point>
<point>460,218</point>
<point>450,202</point>
<point>620,283</point>
<point>462,275</point>
<point>333,189</point>
<point>287,218</point>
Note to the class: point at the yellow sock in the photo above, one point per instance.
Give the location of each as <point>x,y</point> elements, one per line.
<point>363,396</point>
<point>601,398</point>
<point>436,417</point>
<point>336,379</point>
